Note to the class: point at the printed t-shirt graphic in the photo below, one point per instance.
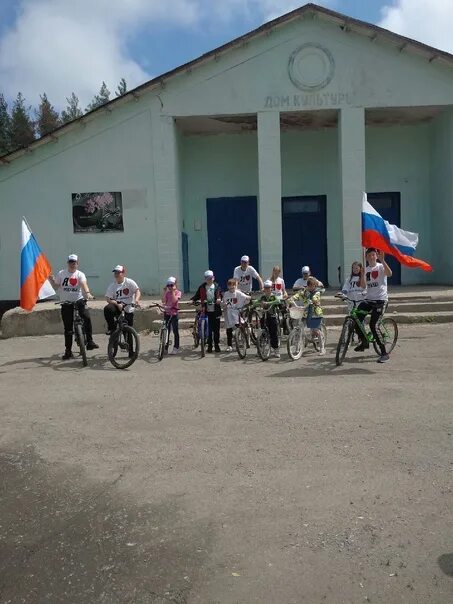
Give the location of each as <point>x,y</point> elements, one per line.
<point>234,301</point>
<point>70,289</point>
<point>245,278</point>
<point>123,292</point>
<point>352,288</point>
<point>376,282</point>
<point>278,287</point>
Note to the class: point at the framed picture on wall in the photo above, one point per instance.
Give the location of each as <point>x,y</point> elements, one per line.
<point>97,212</point>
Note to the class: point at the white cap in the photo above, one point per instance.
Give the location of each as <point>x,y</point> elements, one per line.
<point>305,269</point>
<point>209,274</point>
<point>73,258</point>
<point>245,259</point>
<point>267,283</point>
<point>119,268</point>
<point>171,280</point>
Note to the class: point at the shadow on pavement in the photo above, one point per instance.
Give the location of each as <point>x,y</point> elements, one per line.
<point>446,564</point>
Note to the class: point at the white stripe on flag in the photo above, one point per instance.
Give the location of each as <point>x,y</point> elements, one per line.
<point>46,291</point>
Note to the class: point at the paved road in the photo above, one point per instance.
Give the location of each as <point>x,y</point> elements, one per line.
<point>221,481</point>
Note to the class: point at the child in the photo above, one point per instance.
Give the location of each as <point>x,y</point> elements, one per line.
<point>278,284</point>
<point>210,296</point>
<point>311,297</point>
<point>234,299</point>
<point>352,287</point>
<point>170,299</point>
<point>270,302</point>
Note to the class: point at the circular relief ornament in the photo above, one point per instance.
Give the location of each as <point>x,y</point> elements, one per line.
<point>311,67</point>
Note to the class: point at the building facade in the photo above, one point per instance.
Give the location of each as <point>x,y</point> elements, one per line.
<point>262,147</point>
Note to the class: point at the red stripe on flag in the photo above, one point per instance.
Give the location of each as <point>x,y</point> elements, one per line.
<point>375,239</point>
<point>33,283</point>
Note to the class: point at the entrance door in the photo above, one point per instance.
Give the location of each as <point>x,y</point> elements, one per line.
<point>304,237</point>
<point>389,207</point>
<point>232,232</point>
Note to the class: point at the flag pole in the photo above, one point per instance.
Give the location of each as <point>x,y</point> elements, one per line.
<point>26,222</point>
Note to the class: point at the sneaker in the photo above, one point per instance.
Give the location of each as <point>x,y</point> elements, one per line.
<point>175,351</point>
<point>229,349</point>
<point>209,349</point>
<point>217,349</point>
<point>322,352</point>
<point>361,348</point>
<point>276,353</point>
<point>92,346</point>
<point>67,355</point>
<point>383,358</point>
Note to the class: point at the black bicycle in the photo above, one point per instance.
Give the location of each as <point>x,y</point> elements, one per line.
<point>263,343</point>
<point>124,343</point>
<point>79,330</point>
<point>164,332</point>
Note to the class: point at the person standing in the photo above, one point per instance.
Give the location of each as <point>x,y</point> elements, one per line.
<point>209,295</point>
<point>122,293</point>
<point>301,283</point>
<point>170,299</point>
<point>278,283</point>
<point>233,301</point>
<point>73,287</point>
<point>244,275</point>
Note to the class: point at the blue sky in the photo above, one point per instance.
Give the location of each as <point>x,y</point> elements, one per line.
<point>60,46</point>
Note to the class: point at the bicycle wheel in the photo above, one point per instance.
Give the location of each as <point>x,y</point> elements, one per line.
<point>254,323</point>
<point>80,340</point>
<point>123,347</point>
<point>162,342</point>
<point>344,341</point>
<point>241,342</point>
<point>295,343</point>
<point>263,345</point>
<point>202,337</point>
<point>316,339</point>
<point>388,328</point>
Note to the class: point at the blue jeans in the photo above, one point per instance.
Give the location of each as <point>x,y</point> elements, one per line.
<point>173,323</point>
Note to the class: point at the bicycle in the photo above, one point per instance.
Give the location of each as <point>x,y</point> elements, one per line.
<point>124,343</point>
<point>388,330</point>
<point>79,331</point>
<point>242,334</point>
<point>200,329</point>
<point>300,335</point>
<point>253,318</point>
<point>263,343</point>
<point>164,332</point>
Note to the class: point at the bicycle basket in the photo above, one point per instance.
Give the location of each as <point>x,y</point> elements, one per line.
<point>296,312</point>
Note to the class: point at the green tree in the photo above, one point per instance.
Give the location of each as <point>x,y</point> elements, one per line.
<point>72,111</point>
<point>47,118</point>
<point>5,127</point>
<point>22,128</point>
<point>122,88</point>
<point>100,99</point>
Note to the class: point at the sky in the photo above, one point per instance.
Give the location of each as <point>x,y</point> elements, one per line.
<point>61,46</point>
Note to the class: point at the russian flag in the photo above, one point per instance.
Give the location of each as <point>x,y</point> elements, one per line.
<point>34,271</point>
<point>378,233</point>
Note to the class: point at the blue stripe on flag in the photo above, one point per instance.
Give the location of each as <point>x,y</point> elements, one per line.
<point>404,249</point>
<point>28,257</point>
<point>371,222</point>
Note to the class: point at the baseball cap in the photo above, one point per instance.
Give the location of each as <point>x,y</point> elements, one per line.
<point>171,280</point>
<point>73,258</point>
<point>209,274</point>
<point>267,283</point>
<point>305,269</point>
<point>119,268</point>
<point>245,259</point>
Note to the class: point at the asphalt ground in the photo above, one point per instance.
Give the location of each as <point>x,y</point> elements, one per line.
<point>224,481</point>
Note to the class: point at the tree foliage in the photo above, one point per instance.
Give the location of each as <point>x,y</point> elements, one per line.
<point>47,118</point>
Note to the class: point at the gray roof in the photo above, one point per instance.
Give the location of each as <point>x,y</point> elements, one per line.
<point>343,21</point>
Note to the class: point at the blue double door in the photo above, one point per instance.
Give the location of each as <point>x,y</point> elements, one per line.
<point>232,232</point>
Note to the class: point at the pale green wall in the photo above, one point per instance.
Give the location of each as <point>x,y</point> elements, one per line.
<point>398,159</point>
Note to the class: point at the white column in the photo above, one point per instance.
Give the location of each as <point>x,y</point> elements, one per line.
<point>270,192</point>
<point>352,181</point>
<point>167,197</point>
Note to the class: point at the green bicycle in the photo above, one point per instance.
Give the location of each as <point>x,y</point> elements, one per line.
<point>388,330</point>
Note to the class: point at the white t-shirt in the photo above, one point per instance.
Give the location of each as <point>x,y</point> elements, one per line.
<point>301,283</point>
<point>70,289</point>
<point>376,282</point>
<point>123,292</point>
<point>352,289</point>
<point>278,287</point>
<point>245,278</point>
<point>233,301</point>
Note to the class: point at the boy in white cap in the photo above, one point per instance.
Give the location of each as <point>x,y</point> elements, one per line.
<point>244,275</point>
<point>301,283</point>
<point>210,296</point>
<point>170,299</point>
<point>73,287</point>
<point>122,293</point>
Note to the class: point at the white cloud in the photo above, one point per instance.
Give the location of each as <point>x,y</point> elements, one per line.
<point>57,46</point>
<point>428,21</point>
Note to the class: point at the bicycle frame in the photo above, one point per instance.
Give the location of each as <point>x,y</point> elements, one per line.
<point>355,314</point>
